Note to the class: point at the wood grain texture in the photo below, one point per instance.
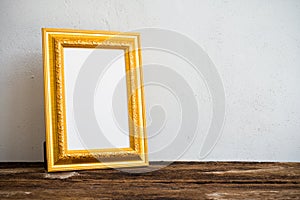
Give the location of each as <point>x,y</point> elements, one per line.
<point>180,180</point>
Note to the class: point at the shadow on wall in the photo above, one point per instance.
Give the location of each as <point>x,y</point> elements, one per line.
<point>22,117</point>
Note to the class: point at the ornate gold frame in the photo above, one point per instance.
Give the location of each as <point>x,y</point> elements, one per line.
<point>59,158</point>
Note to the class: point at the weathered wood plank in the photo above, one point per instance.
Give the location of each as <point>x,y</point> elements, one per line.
<point>180,180</point>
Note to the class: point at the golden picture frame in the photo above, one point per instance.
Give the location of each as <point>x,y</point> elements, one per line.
<point>59,157</point>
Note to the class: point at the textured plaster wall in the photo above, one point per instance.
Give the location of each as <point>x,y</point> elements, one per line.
<point>255,46</point>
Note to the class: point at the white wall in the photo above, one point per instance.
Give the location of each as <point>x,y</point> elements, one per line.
<point>255,46</point>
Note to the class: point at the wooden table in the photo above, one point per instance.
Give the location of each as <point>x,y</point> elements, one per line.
<point>180,180</point>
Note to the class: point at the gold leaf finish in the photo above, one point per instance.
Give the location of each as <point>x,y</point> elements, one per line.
<point>59,158</point>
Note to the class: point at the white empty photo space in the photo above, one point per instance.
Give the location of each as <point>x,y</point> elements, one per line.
<point>93,76</point>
